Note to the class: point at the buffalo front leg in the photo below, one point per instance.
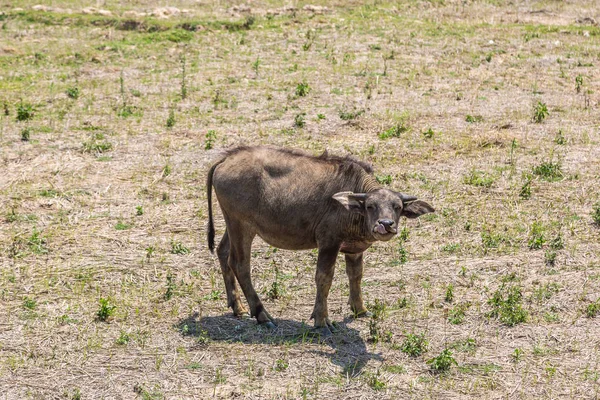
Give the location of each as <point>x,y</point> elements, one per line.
<point>323,278</point>
<point>233,295</point>
<point>354,270</point>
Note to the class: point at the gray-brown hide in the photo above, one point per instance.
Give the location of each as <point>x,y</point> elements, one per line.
<point>296,201</point>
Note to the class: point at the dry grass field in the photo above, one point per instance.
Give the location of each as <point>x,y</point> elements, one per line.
<point>111,117</point>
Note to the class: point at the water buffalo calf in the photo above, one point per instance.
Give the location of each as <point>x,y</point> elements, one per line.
<point>297,201</point>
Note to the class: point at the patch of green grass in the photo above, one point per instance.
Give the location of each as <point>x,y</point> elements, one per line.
<point>443,362</point>
<point>395,131</point>
<point>37,243</point>
<point>179,248</point>
<point>540,112</point>
<point>210,139</point>
<point>302,89</point>
<point>350,115</point>
<point>383,179</point>
<point>596,213</point>
<point>97,143</point>
<point>26,134</point>
<point>537,236</point>
<point>449,297</point>
<point>106,310</point>
<point>29,303</point>
<point>414,345</point>
<point>73,92</point>
<point>457,314</point>
<point>429,133</point>
<point>549,171</point>
<point>593,309</point>
<point>525,191</point>
<point>123,338</point>
<point>25,111</point>
<point>374,380</point>
<point>479,179</point>
<point>122,226</point>
<point>473,118</point>
<point>171,119</point>
<point>299,121</point>
<point>468,345</point>
<point>506,305</point>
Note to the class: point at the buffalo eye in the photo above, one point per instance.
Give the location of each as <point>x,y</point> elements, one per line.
<point>397,206</point>
<point>371,207</point>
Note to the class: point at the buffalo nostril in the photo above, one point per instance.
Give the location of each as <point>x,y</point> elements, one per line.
<point>386,222</point>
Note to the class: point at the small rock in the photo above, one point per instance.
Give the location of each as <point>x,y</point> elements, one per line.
<point>315,9</point>
<point>134,14</point>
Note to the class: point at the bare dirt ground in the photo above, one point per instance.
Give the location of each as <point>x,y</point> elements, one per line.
<point>111,116</point>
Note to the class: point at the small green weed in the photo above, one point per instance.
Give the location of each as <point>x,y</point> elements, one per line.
<point>29,303</point>
<point>25,111</point>
<point>350,115</point>
<point>479,179</point>
<point>550,257</point>
<point>449,293</point>
<point>37,243</point>
<point>506,305</point>
<point>302,89</point>
<point>106,309</point>
<point>393,132</point>
<point>540,112</point>
<point>596,213</point>
<point>171,119</point>
<point>299,121</point>
<point>414,345</point>
<point>281,365</point>
<point>179,248</point>
<point>97,144</point>
<point>383,179</point>
<point>457,314</point>
<point>473,118</point>
<point>525,192</point>
<point>374,380</point>
<point>549,171</point>
<point>320,117</point>
<point>139,210</point>
<point>592,309</point>
<point>560,138</point>
<point>171,287</point>
<point>578,83</point>
<point>537,237</point>
<point>73,92</point>
<point>517,355</point>
<point>26,134</point>
<point>429,133</point>
<point>210,138</point>
<point>122,226</point>
<point>123,338</point>
<point>443,362</point>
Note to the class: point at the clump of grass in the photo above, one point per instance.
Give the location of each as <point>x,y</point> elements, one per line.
<point>179,248</point>
<point>374,380</point>
<point>479,179</point>
<point>302,89</point>
<point>171,119</point>
<point>596,213</point>
<point>123,338</point>
<point>139,210</point>
<point>383,179</point>
<point>560,138</point>
<point>97,144</point>
<point>72,92</point>
<point>25,134</point>
<point>457,314</point>
<point>540,112</point>
<point>37,243</point>
<point>578,83</point>
<point>350,115</point>
<point>29,303</point>
<point>549,171</point>
<point>393,132</point>
<point>122,226</point>
<point>211,137</point>
<point>25,111</point>
<point>443,362</point>
<point>537,239</point>
<point>449,293</point>
<point>592,309</point>
<point>414,345</point>
<point>473,118</point>
<point>525,191</point>
<point>506,305</point>
<point>429,133</point>
<point>171,286</point>
<point>299,121</point>
<point>106,310</point>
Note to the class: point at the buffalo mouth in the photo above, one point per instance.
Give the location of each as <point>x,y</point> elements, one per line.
<point>383,232</point>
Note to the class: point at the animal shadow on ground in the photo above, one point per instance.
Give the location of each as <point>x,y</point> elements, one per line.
<point>350,351</point>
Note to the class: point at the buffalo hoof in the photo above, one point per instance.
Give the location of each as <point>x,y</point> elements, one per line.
<point>364,314</point>
<point>324,332</point>
<point>269,325</point>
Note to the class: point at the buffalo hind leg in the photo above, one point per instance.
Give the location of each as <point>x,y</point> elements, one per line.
<point>354,270</point>
<point>239,262</point>
<point>323,278</point>
<point>233,295</point>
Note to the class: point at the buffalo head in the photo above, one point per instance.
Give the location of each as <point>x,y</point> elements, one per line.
<point>382,209</point>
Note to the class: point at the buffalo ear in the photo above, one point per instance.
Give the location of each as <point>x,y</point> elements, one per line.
<point>416,208</point>
<point>351,201</point>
